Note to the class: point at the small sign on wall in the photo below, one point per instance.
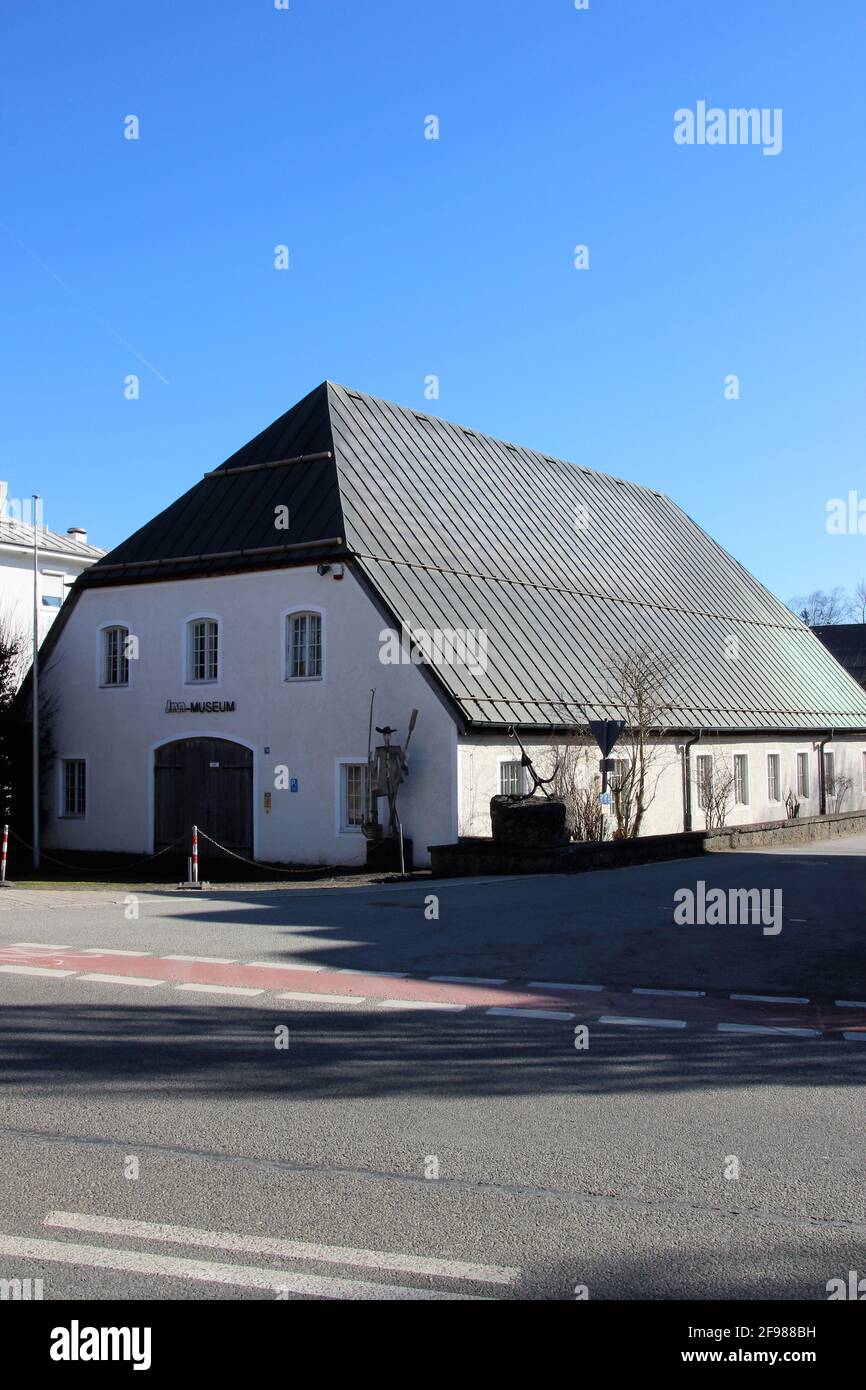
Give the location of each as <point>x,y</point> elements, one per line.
<point>293,784</point>
<point>267,803</point>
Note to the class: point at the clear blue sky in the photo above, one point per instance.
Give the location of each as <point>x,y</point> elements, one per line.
<point>455,257</point>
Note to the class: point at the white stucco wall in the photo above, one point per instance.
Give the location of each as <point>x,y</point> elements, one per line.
<point>308,726</point>
<point>55,575</point>
<point>479,760</point>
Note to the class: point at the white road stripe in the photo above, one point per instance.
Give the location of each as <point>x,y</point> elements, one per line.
<point>216,989</point>
<point>204,960</point>
<point>465,980</point>
<point>377,974</point>
<point>281,965</point>
<point>772,998</point>
<point>39,946</point>
<point>109,951</point>
<point>322,998</point>
<point>644,1022</point>
<point>527,1013</point>
<point>123,980</point>
<point>281,1249</point>
<point>555,984</point>
<point>209,1272</point>
<point>757,1028</point>
<point>680,993</point>
<point>420,1004</point>
<point>849,1003</point>
<point>34,970</point>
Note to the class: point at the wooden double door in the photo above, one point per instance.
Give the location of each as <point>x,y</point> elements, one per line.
<point>206,782</point>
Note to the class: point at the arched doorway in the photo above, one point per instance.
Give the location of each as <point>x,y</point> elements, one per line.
<point>206,782</point>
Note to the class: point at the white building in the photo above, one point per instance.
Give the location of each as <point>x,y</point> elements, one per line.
<point>216,668</point>
<point>59,562</point>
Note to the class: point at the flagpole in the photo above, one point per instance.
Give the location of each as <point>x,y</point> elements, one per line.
<point>36,857</point>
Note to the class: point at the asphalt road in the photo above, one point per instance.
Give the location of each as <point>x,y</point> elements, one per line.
<point>158,1144</point>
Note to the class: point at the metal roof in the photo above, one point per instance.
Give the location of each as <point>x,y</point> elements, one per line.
<point>20,533</point>
<point>560,565</point>
<point>847,642</point>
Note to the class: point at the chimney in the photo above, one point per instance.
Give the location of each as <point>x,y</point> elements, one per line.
<point>77,533</point>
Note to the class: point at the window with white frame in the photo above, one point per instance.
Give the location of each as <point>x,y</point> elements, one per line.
<point>803,791</point>
<point>829,773</point>
<point>74,786</point>
<point>353,786</point>
<point>203,650</point>
<point>741,779</point>
<point>774,776</point>
<point>863,769</point>
<point>512,779</point>
<point>115,658</point>
<point>303,646</point>
<point>705,780</point>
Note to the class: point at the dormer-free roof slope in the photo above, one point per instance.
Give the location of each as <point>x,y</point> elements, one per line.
<point>559,565</point>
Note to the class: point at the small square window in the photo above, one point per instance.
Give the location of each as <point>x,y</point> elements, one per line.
<point>511,778</point>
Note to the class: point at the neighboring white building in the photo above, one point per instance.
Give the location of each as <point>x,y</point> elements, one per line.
<point>217,666</point>
<point>59,562</point>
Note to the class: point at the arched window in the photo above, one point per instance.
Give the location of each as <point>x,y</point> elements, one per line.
<point>303,646</point>
<point>115,656</point>
<point>203,650</point>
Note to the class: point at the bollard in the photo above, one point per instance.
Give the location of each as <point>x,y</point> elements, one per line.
<point>195,854</point>
<point>3,853</point>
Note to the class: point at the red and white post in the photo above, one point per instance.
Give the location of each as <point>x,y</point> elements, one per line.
<point>3,853</point>
<point>195,854</point>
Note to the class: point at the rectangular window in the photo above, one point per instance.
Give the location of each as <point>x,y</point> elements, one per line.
<point>511,780</point>
<point>705,780</point>
<point>353,782</point>
<point>830,773</point>
<point>74,787</point>
<point>305,646</point>
<point>204,650</point>
<point>863,766</point>
<point>115,663</point>
<point>803,776</point>
<point>741,779</point>
<point>617,776</point>
<point>774,776</point>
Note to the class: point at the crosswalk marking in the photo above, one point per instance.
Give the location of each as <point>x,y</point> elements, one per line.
<point>278,1248</point>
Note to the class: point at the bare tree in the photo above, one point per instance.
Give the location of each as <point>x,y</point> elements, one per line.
<point>13,663</point>
<point>715,790</point>
<point>838,788</point>
<point>638,680</point>
<point>572,782</point>
<point>820,609</point>
<point>859,604</point>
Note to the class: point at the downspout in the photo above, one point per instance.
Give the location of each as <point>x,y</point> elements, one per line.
<point>687,779</point>
<point>822,780</point>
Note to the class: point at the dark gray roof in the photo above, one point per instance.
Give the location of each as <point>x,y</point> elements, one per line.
<point>20,533</point>
<point>559,564</point>
<point>847,642</point>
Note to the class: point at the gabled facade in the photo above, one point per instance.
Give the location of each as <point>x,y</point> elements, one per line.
<point>217,666</point>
